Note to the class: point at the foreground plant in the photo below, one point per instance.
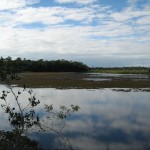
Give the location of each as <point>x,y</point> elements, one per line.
<point>12,140</point>
<point>23,117</point>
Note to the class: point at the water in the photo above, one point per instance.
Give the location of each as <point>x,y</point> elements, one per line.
<point>128,76</point>
<point>108,119</point>
<point>109,77</point>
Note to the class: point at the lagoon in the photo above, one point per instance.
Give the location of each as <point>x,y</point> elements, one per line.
<point>109,119</point>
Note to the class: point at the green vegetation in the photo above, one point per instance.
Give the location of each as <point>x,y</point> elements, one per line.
<point>122,70</point>
<point>11,140</point>
<point>24,65</point>
<point>67,80</point>
<point>68,74</point>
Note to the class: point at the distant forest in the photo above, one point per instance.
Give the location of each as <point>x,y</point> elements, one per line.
<point>26,65</point>
<point>121,68</point>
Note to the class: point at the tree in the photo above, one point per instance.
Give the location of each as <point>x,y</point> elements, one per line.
<point>21,65</point>
<point>24,117</point>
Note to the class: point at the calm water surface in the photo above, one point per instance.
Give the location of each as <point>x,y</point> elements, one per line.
<point>109,77</point>
<point>107,120</point>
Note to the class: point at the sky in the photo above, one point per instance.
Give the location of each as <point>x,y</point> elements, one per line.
<point>104,33</point>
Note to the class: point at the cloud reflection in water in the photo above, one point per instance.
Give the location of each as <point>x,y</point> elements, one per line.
<point>107,119</point>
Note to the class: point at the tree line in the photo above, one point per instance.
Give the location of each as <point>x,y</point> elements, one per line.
<point>24,65</point>
<point>122,68</point>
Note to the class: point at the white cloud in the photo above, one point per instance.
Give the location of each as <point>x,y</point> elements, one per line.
<point>13,4</point>
<point>144,20</point>
<point>129,14</point>
<point>33,15</point>
<point>70,41</point>
<point>52,15</point>
<point>77,1</point>
<point>114,34</point>
<point>132,2</point>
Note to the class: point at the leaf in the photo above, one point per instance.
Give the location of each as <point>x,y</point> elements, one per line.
<point>48,108</point>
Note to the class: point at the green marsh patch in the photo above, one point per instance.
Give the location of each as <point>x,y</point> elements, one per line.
<point>67,80</point>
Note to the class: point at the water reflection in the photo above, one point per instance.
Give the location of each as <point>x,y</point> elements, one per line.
<point>97,79</point>
<point>108,120</point>
<point>109,77</point>
<point>129,76</point>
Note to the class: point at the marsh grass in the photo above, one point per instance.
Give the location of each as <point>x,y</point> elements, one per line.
<point>121,71</point>
<point>68,80</point>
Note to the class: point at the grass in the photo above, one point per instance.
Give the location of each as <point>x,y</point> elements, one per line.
<point>120,71</point>
<point>76,80</point>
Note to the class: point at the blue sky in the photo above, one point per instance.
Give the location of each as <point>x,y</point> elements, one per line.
<point>96,32</point>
